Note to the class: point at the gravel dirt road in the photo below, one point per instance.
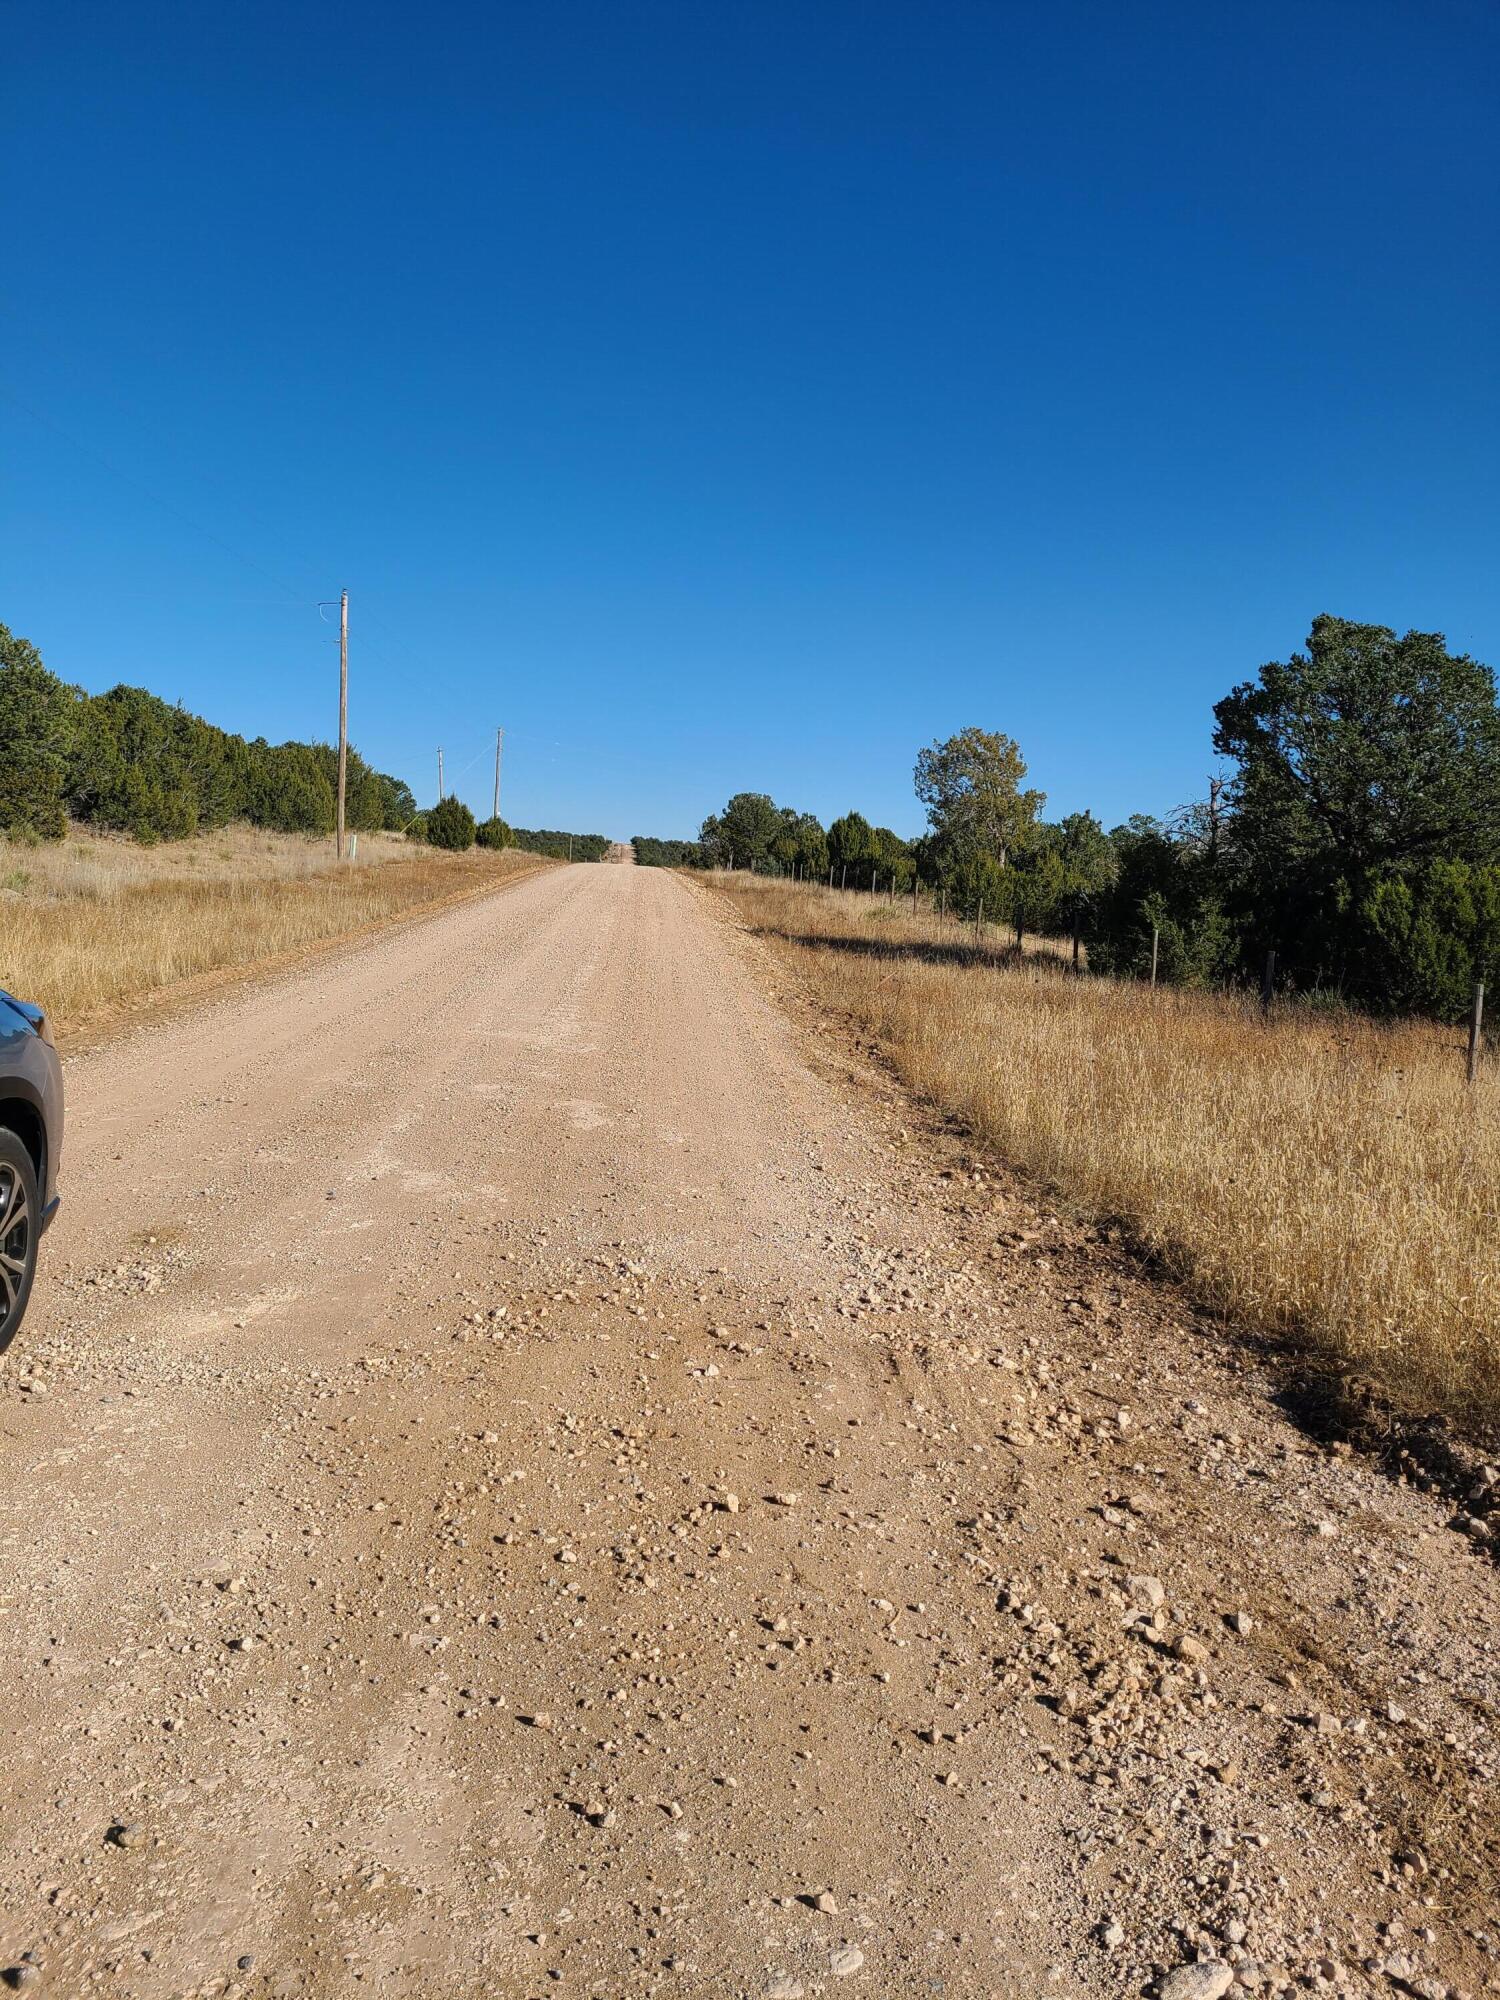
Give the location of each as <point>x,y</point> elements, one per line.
<point>535,1469</point>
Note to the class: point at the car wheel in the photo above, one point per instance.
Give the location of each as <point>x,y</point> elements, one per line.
<point>20,1231</point>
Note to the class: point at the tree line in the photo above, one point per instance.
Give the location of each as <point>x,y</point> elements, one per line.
<point>753,832</point>
<point>1354,833</point>
<point>132,763</point>
<point>450,824</point>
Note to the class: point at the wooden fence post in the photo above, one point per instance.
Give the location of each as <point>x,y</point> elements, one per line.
<point>979,920</point>
<point>1155,943</point>
<point>1268,983</point>
<point>1476,1030</point>
<point>1077,938</point>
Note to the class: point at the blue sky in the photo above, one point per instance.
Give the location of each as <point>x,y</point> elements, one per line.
<point>739,396</point>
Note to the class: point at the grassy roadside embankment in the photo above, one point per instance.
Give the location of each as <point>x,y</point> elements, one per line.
<point>93,924</point>
<point>1320,1175</point>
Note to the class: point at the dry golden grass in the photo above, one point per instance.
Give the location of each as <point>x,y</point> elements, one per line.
<point>1320,1175</point>
<point>91,924</point>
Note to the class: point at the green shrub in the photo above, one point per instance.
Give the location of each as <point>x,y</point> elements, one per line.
<point>980,883</point>
<point>1427,936</point>
<point>450,824</point>
<point>36,714</point>
<point>493,833</point>
<point>30,795</point>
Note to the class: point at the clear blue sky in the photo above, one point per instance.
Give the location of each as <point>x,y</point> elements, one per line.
<point>735,396</point>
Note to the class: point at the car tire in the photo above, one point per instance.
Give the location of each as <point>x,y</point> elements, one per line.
<point>21,1202</point>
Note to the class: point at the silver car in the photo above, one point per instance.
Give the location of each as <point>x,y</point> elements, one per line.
<point>31,1128</point>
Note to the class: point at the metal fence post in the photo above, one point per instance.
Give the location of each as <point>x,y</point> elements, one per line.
<point>1476,1029</point>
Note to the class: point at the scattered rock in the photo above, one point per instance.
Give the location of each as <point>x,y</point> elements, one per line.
<point>1207,1981</point>
<point>842,1963</point>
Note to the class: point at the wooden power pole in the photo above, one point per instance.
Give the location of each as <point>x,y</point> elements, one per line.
<point>343,715</point>
<point>440,777</point>
<point>499,740</point>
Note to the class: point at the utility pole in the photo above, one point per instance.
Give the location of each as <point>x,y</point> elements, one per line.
<point>499,739</point>
<point>440,777</point>
<point>343,715</point>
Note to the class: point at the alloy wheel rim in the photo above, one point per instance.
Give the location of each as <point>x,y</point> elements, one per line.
<point>15,1241</point>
